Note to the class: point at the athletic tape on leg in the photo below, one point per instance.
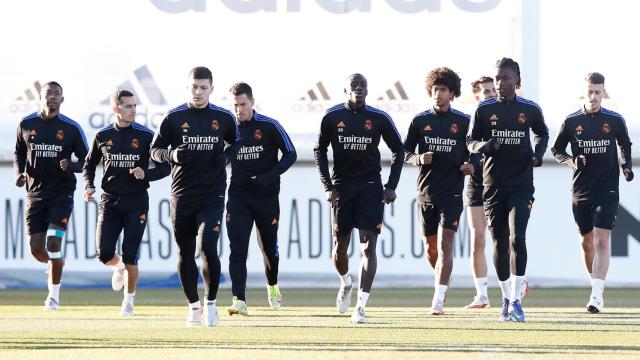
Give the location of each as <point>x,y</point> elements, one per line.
<point>54,233</point>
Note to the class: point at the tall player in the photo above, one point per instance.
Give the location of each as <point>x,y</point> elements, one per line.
<point>42,160</point>
<point>593,132</point>
<point>192,137</point>
<point>501,130</point>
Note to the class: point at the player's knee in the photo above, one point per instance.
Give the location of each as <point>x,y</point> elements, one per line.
<point>105,255</point>
<point>40,255</point>
<point>129,259</point>
<point>367,250</point>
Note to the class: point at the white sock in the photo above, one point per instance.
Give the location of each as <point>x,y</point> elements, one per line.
<point>211,302</point>
<point>517,287</point>
<point>345,280</point>
<point>128,297</point>
<point>441,290</point>
<point>597,287</point>
<point>195,305</point>
<point>119,265</point>
<point>54,291</point>
<point>505,286</point>
<point>362,299</point>
<point>481,287</point>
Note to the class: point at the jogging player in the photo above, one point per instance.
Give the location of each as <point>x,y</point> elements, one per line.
<point>353,129</point>
<point>192,138</point>
<point>501,133</point>
<point>123,147</point>
<point>440,135</point>
<point>42,160</point>
<point>593,132</point>
<point>253,195</point>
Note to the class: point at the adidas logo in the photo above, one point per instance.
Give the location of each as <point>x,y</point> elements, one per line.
<point>493,117</point>
<point>109,143</point>
<point>398,94</point>
<point>427,128</point>
<point>33,133</point>
<point>29,94</point>
<point>312,94</point>
<point>315,100</point>
<point>148,86</point>
<point>395,99</point>
<point>27,101</point>
<point>274,221</point>
<point>341,124</point>
<point>185,125</point>
<point>579,128</point>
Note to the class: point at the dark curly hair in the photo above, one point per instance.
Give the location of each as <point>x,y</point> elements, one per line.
<point>507,63</point>
<point>444,76</point>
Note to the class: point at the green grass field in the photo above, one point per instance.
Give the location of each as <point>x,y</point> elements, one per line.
<point>88,326</point>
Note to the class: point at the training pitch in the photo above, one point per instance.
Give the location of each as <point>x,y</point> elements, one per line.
<point>308,326</point>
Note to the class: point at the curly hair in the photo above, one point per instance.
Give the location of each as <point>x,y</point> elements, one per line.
<point>444,76</point>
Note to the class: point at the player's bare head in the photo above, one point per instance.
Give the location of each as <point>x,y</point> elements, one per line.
<point>117,96</point>
<point>240,89</point>
<point>507,77</point>
<point>443,76</point>
<point>123,104</point>
<point>242,101</point>
<point>595,91</point>
<point>51,95</point>
<point>201,86</point>
<point>594,78</point>
<point>356,89</point>
<point>201,73</point>
<point>483,88</point>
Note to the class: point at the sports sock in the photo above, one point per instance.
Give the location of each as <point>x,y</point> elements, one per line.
<point>54,291</point>
<point>195,305</point>
<point>597,287</point>
<point>441,290</point>
<point>345,280</point>
<point>362,299</point>
<point>505,286</point>
<point>481,286</point>
<point>517,287</point>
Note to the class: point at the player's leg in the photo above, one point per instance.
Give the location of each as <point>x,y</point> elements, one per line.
<point>57,217</point>
<point>604,222</point>
<point>134,227</point>
<point>267,214</point>
<point>448,219</point>
<point>369,213</point>
<point>239,224</point>
<point>477,227</point>
<point>184,231</point>
<point>343,223</point>
<point>209,224</point>
<point>497,214</point>
<point>109,226</point>
<point>429,224</point>
<point>520,204</point>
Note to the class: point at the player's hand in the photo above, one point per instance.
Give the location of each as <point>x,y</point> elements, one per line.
<point>388,196</point>
<point>332,196</point>
<point>491,147</point>
<point>580,161</point>
<point>425,158</point>
<point>182,155</point>
<point>628,174</point>
<point>137,172</point>
<point>21,180</point>
<point>467,168</point>
<point>88,194</point>
<point>64,164</point>
<point>536,161</point>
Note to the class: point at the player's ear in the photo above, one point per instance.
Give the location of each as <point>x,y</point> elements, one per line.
<point>62,100</point>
